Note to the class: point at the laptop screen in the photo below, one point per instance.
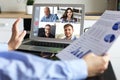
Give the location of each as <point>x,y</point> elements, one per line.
<point>57,22</point>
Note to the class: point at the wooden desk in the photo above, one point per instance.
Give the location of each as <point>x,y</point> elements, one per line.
<point>14,15</point>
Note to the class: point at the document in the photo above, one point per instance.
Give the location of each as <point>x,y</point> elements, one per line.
<point>98,39</point>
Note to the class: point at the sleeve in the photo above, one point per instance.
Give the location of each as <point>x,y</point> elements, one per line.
<point>54,17</point>
<point>42,20</point>
<point>3,47</point>
<point>22,66</point>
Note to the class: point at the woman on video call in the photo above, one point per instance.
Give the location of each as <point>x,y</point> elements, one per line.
<point>68,16</point>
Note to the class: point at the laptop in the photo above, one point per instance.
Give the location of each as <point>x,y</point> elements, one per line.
<point>53,39</point>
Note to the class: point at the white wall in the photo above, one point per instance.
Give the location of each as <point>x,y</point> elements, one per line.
<point>12,5</point>
<point>90,5</point>
<point>19,5</point>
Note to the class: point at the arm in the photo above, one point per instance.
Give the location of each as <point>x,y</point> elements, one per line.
<point>43,19</point>
<point>55,17</point>
<point>18,66</point>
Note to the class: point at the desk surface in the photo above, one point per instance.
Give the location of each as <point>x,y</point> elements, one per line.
<point>14,15</point>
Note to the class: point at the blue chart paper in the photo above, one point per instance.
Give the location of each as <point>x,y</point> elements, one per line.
<point>98,39</point>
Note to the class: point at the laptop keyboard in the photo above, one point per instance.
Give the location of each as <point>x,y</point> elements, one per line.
<point>47,44</point>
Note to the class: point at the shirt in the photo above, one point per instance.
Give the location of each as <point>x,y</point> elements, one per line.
<point>50,18</point>
<point>3,47</point>
<point>22,66</point>
<point>73,20</point>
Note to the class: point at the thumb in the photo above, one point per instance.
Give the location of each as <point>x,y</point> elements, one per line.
<point>22,35</point>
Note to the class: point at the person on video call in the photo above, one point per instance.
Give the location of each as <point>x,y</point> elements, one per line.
<point>68,16</point>
<point>21,66</point>
<point>68,31</point>
<point>48,17</point>
<point>46,32</point>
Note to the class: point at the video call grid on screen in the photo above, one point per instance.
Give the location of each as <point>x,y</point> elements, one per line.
<point>56,22</point>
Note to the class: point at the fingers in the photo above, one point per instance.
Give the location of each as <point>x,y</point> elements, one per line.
<point>96,64</point>
<point>89,55</point>
<point>15,29</point>
<point>15,25</point>
<point>22,35</point>
<point>16,37</point>
<point>106,57</point>
<point>105,62</point>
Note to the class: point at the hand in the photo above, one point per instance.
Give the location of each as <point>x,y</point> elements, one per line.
<point>17,36</point>
<point>96,64</point>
